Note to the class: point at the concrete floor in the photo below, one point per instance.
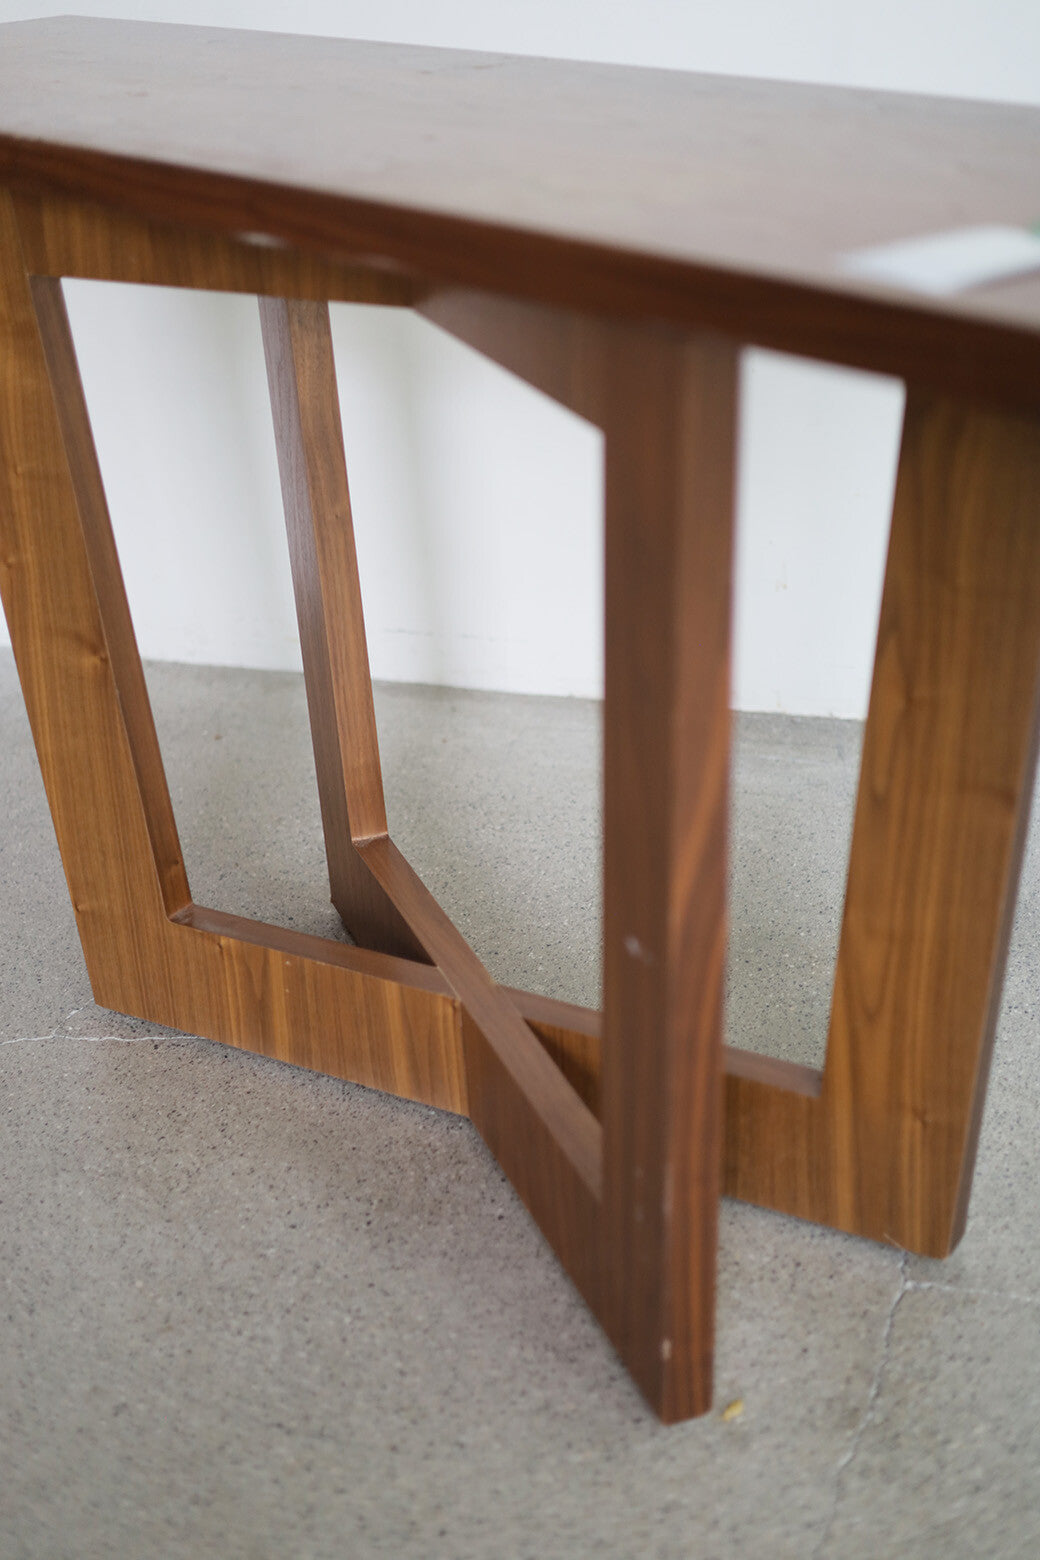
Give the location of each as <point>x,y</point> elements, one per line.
<point>251,1312</point>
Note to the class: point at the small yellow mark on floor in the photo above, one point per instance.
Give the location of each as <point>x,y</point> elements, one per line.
<point>733,1410</point>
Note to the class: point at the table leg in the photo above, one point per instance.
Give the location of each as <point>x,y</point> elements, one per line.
<point>670,423</point>
<point>375,1018</point>
<point>642,1250</point>
<point>887,1148</point>
<point>881,1143</point>
<point>75,650</point>
<point>948,763</point>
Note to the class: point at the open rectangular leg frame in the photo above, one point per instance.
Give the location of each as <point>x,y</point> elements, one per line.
<point>620,1130</point>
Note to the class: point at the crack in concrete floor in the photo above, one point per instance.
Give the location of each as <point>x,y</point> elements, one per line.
<point>869,1408</point>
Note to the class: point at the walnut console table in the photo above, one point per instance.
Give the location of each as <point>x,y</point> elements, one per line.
<point>614,237</point>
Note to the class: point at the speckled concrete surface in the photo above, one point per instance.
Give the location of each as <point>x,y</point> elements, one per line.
<point>253,1312</point>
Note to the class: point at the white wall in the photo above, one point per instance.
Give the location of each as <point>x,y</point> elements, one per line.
<point>476,501</point>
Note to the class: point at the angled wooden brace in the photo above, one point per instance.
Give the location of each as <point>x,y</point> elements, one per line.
<point>631,1208</point>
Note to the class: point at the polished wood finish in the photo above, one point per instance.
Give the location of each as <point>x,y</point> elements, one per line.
<point>882,1142</point>
<point>641,193</point>
<point>314,1003</point>
<point>539,1129</point>
<point>301,375</point>
<point>54,609</point>
<point>670,440</point>
<point>946,780</point>
<point>127,673</point>
<point>558,352</point>
<point>572,1036</point>
<point>63,236</point>
<point>576,268</point>
<point>492,1014</point>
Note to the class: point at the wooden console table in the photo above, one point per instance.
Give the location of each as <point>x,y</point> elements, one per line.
<point>614,237</point>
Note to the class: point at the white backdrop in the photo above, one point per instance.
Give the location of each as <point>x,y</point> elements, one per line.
<point>476,501</point>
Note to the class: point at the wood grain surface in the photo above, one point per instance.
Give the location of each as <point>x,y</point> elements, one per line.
<point>56,339</point>
<point>882,1142</point>
<point>317,1004</point>
<point>948,762</point>
<point>63,653</point>
<point>559,352</point>
<point>536,1124</point>
<point>671,409</point>
<point>714,202</point>
<point>301,375</point>
<point>66,236</point>
<point>493,1015</point>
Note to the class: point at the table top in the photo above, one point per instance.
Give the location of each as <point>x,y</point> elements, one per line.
<point>698,199</point>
